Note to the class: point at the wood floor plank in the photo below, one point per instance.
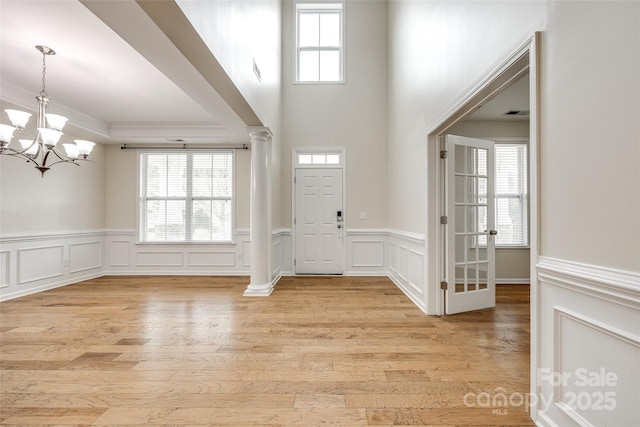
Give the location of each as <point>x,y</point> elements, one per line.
<point>192,351</point>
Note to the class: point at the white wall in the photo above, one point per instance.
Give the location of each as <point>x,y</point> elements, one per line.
<point>437,52</point>
<point>351,115</point>
<point>590,151</point>
<point>239,32</point>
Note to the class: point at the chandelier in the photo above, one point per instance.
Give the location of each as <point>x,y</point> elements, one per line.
<point>41,149</point>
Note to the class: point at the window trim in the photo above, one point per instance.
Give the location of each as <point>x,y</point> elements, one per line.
<point>296,48</point>
<point>232,240</point>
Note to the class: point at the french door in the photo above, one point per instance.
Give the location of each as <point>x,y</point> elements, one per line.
<point>470,225</point>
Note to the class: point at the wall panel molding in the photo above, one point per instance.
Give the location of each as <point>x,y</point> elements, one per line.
<point>406,264</point>
<point>589,323</point>
<point>31,263</point>
<point>40,263</point>
<point>5,268</point>
<point>85,256</point>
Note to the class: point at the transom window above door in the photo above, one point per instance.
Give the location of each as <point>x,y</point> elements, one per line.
<point>318,158</point>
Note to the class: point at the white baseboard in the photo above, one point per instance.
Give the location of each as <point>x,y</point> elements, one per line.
<point>507,281</point>
<point>22,292</point>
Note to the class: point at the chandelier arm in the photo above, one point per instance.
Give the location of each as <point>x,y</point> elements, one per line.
<point>20,155</point>
<point>24,150</point>
<point>73,162</point>
<point>59,155</point>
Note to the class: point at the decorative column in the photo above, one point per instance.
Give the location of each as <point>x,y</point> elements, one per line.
<point>261,283</point>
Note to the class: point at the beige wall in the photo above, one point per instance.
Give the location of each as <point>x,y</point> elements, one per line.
<point>121,184</point>
<point>67,198</point>
<point>351,115</point>
<point>120,188</point>
<point>589,103</point>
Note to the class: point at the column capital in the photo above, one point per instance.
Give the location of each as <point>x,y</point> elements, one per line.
<point>259,132</point>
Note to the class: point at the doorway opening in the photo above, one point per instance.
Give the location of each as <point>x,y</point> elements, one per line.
<point>523,61</point>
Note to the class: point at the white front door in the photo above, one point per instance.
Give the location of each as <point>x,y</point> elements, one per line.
<point>470,257</point>
<point>318,222</point>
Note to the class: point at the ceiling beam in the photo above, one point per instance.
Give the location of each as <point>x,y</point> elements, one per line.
<point>168,16</point>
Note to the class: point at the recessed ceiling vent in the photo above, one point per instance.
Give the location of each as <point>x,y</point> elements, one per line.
<point>516,113</point>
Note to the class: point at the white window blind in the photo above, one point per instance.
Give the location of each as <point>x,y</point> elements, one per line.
<point>512,199</point>
<point>186,196</point>
<point>319,42</point>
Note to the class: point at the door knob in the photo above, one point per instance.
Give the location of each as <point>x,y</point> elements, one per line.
<point>339,225</point>
<point>493,232</point>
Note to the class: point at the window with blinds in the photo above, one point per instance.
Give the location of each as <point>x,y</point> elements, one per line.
<point>512,198</point>
<point>186,196</point>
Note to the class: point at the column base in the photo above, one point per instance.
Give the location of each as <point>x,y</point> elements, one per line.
<point>259,290</point>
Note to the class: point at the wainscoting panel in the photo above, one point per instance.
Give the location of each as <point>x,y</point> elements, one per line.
<point>211,259</point>
<point>5,268</point>
<point>415,268</point>
<point>127,256</point>
<point>281,253</point>
<point>32,263</point>
<point>159,259</point>
<point>366,253</point>
<point>406,264</point>
<point>276,259</point>
<point>589,341</point>
<point>39,263</point>
<point>119,253</point>
<point>246,254</point>
<point>85,256</point>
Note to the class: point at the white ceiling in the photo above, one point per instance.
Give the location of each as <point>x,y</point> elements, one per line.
<point>515,97</point>
<point>111,91</point>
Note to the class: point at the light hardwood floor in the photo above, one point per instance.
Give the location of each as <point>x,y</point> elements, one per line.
<point>319,351</point>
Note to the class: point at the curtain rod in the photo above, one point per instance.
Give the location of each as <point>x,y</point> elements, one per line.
<point>182,147</point>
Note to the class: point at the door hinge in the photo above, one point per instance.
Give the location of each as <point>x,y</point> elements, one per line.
<point>294,262</point>
<point>443,154</point>
<point>444,220</point>
<point>294,179</point>
<point>444,285</point>
<point>294,221</point>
